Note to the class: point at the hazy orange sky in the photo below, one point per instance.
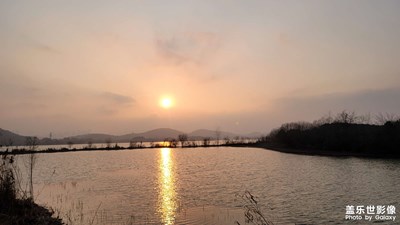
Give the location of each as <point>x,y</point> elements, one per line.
<point>72,67</point>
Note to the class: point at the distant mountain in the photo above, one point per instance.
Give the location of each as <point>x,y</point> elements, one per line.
<point>155,135</point>
<point>152,135</point>
<point>94,137</point>
<point>202,133</point>
<point>254,135</point>
<point>86,138</point>
<point>9,138</point>
<point>160,134</point>
<point>129,137</point>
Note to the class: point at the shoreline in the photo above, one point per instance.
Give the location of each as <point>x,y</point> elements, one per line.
<point>25,211</point>
<point>313,152</point>
<point>272,147</point>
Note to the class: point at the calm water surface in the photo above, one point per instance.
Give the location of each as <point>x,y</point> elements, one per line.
<point>201,185</point>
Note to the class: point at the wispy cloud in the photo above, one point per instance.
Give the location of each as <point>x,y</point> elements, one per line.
<point>39,45</point>
<point>117,98</point>
<point>193,47</point>
<point>112,108</point>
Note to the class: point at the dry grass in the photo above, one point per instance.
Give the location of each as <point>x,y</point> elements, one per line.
<point>253,214</point>
<point>19,211</point>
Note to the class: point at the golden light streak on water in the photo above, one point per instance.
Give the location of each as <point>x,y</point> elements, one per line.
<point>167,194</point>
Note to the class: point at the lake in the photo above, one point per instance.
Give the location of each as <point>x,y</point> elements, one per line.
<point>203,185</point>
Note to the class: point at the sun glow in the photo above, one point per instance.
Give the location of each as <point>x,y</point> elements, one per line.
<point>166,103</point>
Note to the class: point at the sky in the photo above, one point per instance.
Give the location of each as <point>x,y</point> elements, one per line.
<point>74,67</point>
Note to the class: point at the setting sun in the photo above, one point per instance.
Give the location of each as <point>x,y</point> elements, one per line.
<point>166,103</point>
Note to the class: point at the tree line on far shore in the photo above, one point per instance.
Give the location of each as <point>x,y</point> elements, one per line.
<point>344,132</point>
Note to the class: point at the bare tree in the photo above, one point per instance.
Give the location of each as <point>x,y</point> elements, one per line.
<point>206,141</point>
<point>183,138</point>
<point>193,143</point>
<point>108,143</point>
<point>381,118</point>
<point>227,140</point>
<point>217,135</point>
<point>32,143</point>
<point>173,143</point>
<point>90,144</point>
<point>132,144</point>
<point>70,143</point>
<point>346,117</point>
<point>116,146</point>
<point>365,119</point>
<point>326,119</point>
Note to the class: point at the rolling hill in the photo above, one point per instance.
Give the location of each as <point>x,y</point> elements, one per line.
<point>9,138</point>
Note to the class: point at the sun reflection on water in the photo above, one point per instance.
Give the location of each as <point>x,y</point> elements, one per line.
<point>167,194</point>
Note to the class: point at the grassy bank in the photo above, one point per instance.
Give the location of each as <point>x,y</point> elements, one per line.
<point>16,206</point>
